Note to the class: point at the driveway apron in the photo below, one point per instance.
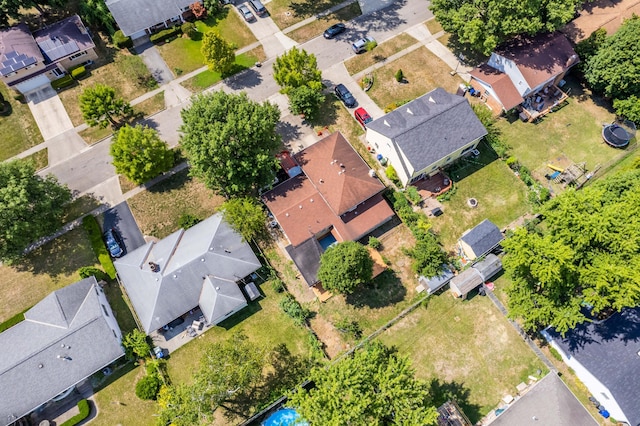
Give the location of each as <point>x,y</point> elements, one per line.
<point>48,111</point>
<point>273,41</point>
<point>154,62</point>
<point>121,218</point>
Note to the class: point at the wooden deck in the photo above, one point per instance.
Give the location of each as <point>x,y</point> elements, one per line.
<point>433,186</point>
<point>541,104</point>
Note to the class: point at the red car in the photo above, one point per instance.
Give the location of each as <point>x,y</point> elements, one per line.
<point>362,116</point>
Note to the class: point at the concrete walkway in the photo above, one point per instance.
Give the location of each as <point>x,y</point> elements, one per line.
<point>273,41</point>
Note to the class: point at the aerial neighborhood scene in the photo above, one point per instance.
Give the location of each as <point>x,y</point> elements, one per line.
<point>358,212</point>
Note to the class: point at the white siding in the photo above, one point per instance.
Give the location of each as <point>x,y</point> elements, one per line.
<point>384,146</point>
<point>511,69</point>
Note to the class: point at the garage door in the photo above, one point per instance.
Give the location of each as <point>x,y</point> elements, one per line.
<point>33,83</point>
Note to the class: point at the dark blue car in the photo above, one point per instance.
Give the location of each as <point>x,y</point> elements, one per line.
<point>345,96</point>
<point>114,243</point>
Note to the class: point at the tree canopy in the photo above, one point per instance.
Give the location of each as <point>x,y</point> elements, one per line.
<point>296,68</point>
<point>305,100</point>
<point>100,107</point>
<point>585,254</point>
<point>246,216</point>
<point>374,386</point>
<point>345,266</point>
<point>628,108</point>
<point>31,207</point>
<point>613,70</point>
<point>12,8</point>
<point>218,53</point>
<point>140,154</point>
<point>487,23</point>
<point>231,141</point>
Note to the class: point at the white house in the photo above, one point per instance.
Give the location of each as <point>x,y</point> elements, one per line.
<point>605,355</point>
<point>425,135</point>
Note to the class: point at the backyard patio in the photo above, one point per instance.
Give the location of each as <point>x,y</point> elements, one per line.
<point>432,186</point>
<point>542,102</point>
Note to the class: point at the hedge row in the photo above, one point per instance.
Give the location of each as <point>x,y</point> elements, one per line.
<point>83,406</point>
<point>65,81</point>
<point>90,224</point>
<point>164,35</point>
<point>121,41</point>
<point>78,71</point>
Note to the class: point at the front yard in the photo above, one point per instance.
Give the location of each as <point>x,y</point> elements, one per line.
<point>380,53</point>
<point>19,130</point>
<point>318,26</point>
<point>285,13</point>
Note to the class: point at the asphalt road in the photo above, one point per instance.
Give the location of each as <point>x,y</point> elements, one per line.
<point>121,218</point>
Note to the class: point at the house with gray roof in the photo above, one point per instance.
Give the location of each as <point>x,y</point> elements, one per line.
<point>425,135</point>
<point>605,355</point>
<point>65,338</point>
<point>194,268</point>
<point>137,18</point>
<point>478,241</point>
<point>29,61</point>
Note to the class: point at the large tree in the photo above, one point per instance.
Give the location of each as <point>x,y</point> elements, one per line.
<point>628,108</point>
<point>345,266</point>
<point>614,69</point>
<point>100,106</point>
<point>246,216</point>
<point>231,141</point>
<point>374,386</point>
<point>140,154</point>
<point>31,207</point>
<point>96,14</point>
<point>218,53</point>
<point>13,8</point>
<point>484,24</point>
<point>297,68</point>
<point>305,100</point>
<point>585,254</point>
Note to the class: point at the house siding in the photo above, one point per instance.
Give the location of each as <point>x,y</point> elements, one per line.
<point>66,63</point>
<point>383,145</point>
<point>23,72</point>
<point>510,68</point>
<point>492,101</point>
<point>433,168</point>
<point>108,313</point>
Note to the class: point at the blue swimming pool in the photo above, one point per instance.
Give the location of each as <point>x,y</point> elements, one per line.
<point>326,241</point>
<point>284,417</point>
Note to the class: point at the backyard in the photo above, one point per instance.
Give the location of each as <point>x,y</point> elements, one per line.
<point>18,129</point>
<point>288,12</point>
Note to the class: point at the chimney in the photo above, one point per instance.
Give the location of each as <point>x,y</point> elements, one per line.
<point>154,267</point>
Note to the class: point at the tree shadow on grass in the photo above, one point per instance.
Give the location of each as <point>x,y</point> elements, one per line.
<point>442,392</point>
<point>466,166</point>
<point>239,317</point>
<point>176,181</point>
<point>385,290</point>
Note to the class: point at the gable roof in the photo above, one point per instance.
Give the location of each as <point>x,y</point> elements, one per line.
<point>137,15</point>
<point>184,259</point>
<point>483,237</point>
<point>609,351</point>
<point>500,83</point>
<point>18,49</point>
<point>548,403</point>
<point>63,38</point>
<point>430,127</point>
<point>63,339</point>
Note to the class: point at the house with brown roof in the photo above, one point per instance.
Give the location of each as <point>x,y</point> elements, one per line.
<point>29,61</point>
<point>526,72</point>
<point>337,197</point>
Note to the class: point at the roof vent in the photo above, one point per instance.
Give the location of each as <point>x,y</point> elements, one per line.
<point>286,214</point>
<point>202,259</point>
<point>40,365</point>
<point>217,288</point>
<point>431,100</point>
<point>409,111</point>
<point>386,123</point>
<point>311,200</point>
<point>342,165</point>
<point>321,181</point>
<point>300,206</point>
<point>175,276</point>
<point>372,173</point>
<point>154,267</point>
<point>227,251</point>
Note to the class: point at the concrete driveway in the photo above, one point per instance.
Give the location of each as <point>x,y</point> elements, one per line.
<point>121,218</point>
<point>273,41</point>
<point>48,111</point>
<point>154,62</point>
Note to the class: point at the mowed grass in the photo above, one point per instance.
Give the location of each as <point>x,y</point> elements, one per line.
<point>288,12</point>
<point>317,27</point>
<point>469,347</point>
<point>158,210</point>
<point>380,53</point>
<point>502,197</point>
<point>423,71</point>
<point>19,130</point>
<point>39,159</point>
<point>184,54</point>
<point>433,26</point>
<point>46,269</point>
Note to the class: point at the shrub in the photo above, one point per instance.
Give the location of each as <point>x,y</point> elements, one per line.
<point>87,271</point>
<point>135,344</point>
<point>148,387</point>
<point>374,243</point>
<point>399,76</point>
<point>294,309</point>
<point>392,175</point>
<point>78,72</point>
<point>189,28</point>
<point>349,327</point>
<point>121,41</point>
<point>413,195</point>
<point>277,285</point>
<point>62,82</point>
<point>165,35</point>
<point>83,406</point>
<point>187,220</point>
<point>555,353</point>
<point>370,45</point>
<point>512,162</point>
<point>90,224</point>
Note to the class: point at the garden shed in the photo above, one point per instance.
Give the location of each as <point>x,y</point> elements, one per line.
<point>433,284</point>
<point>475,276</point>
<point>480,240</point>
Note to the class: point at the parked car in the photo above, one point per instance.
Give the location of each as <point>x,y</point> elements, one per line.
<point>362,116</point>
<point>334,30</point>
<point>258,7</point>
<point>246,13</point>
<point>114,243</point>
<point>345,96</point>
<point>361,45</point>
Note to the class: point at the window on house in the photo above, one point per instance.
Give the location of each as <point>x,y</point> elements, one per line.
<point>57,72</point>
<point>77,55</point>
<point>448,159</point>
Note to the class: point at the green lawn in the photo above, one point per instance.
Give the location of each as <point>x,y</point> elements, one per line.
<point>19,130</point>
<point>285,13</point>
<point>380,53</point>
<point>317,27</point>
<point>502,197</point>
<point>433,26</point>
<point>40,159</point>
<point>184,54</point>
<point>467,349</point>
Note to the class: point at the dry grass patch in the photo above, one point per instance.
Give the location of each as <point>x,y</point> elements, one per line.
<point>158,210</point>
<point>150,106</point>
<point>380,53</point>
<point>423,71</point>
<point>287,12</point>
<point>317,27</point>
<point>46,269</point>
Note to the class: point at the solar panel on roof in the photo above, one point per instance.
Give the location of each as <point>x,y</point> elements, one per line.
<point>29,61</point>
<point>55,48</point>
<point>12,54</point>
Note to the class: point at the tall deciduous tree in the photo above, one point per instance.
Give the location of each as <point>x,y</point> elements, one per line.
<point>96,13</point>
<point>628,108</point>
<point>297,68</point>
<point>12,8</point>
<point>31,207</point>
<point>140,154</point>
<point>374,386</point>
<point>218,53</point>
<point>100,107</point>
<point>246,216</point>
<point>586,254</point>
<point>231,141</point>
<point>345,266</point>
<point>305,100</point>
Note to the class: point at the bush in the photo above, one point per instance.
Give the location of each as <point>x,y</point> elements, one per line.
<point>392,175</point>
<point>189,28</point>
<point>399,76</point>
<point>512,162</point>
<point>90,224</point>
<point>83,406</point>
<point>136,345</point>
<point>374,243</point>
<point>62,82</point>
<point>78,72</point>
<point>277,285</point>
<point>349,327</point>
<point>555,353</point>
<point>187,220</point>
<point>164,35</point>
<point>87,271</point>
<point>413,195</point>
<point>294,309</point>
<point>148,387</point>
<point>121,41</point>
<point>370,45</point>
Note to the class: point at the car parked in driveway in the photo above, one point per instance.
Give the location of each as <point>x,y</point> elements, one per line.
<point>362,116</point>
<point>114,243</point>
<point>361,45</point>
<point>246,13</point>
<point>345,96</point>
<point>334,30</point>
<point>258,7</point>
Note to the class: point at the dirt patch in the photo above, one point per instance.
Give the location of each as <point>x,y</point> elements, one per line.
<point>332,338</point>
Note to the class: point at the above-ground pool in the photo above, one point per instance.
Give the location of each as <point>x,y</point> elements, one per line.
<point>284,417</point>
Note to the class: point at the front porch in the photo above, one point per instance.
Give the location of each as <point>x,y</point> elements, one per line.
<point>541,103</point>
<point>432,186</point>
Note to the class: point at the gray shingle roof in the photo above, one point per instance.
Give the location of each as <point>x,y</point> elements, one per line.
<point>18,49</point>
<point>609,350</point>
<point>306,256</point>
<point>184,258</point>
<point>136,15</point>
<point>483,237</point>
<point>219,298</point>
<point>63,339</point>
<point>431,127</point>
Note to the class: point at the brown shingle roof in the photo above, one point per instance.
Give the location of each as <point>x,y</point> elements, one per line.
<point>501,83</point>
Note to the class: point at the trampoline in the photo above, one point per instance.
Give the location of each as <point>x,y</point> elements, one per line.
<point>618,134</point>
